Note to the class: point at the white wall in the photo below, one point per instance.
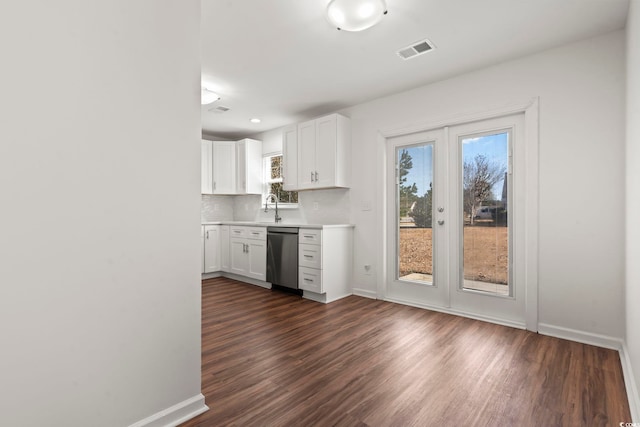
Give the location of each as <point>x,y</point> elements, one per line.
<point>99,182</point>
<point>581,241</point>
<point>633,196</point>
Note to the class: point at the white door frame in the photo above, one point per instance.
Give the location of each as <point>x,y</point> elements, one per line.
<point>531,178</point>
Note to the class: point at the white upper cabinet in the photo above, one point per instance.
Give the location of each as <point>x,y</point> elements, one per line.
<point>290,158</point>
<point>206,157</point>
<point>224,167</point>
<point>324,151</point>
<point>230,167</point>
<point>249,166</point>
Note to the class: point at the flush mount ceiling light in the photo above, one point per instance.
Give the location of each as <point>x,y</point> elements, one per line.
<point>207,96</point>
<point>255,120</point>
<point>355,15</point>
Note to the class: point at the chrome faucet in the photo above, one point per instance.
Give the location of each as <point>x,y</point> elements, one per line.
<point>266,205</point>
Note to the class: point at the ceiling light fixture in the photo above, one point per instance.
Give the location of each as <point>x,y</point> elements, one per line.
<point>355,15</point>
<point>255,120</point>
<point>207,96</point>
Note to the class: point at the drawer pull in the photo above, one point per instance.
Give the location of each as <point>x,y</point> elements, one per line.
<point>308,256</point>
<point>308,280</point>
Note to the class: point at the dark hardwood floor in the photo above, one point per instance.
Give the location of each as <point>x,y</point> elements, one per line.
<point>272,359</point>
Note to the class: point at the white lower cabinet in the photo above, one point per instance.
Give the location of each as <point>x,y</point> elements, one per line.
<point>248,252</point>
<point>238,262</point>
<point>211,248</point>
<point>324,262</point>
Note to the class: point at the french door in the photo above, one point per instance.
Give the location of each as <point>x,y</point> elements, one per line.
<point>456,234</point>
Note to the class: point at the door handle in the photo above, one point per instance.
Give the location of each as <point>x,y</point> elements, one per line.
<point>207,234</point>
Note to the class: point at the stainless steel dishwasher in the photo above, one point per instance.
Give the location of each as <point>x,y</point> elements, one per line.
<point>282,257</point>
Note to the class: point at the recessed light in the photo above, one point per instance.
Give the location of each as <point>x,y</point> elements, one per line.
<point>254,120</point>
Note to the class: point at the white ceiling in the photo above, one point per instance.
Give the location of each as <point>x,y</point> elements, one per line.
<point>281,60</point>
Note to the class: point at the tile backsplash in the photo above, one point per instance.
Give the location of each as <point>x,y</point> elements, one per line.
<point>216,208</point>
<point>315,207</point>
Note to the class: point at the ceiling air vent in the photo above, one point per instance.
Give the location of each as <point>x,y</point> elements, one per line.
<point>415,49</point>
<point>220,109</point>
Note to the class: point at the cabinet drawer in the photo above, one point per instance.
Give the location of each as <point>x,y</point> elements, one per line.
<point>310,236</point>
<point>310,279</point>
<point>309,256</point>
<point>256,233</point>
<point>238,231</point>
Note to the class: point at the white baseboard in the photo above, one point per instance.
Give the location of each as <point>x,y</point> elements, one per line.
<point>365,293</point>
<point>497,321</point>
<point>176,414</point>
<point>211,275</point>
<point>630,384</point>
<point>580,336</point>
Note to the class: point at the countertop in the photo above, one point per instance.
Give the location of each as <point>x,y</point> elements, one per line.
<point>273,224</point>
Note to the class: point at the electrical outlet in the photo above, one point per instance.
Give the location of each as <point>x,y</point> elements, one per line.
<point>216,207</point>
<point>315,206</point>
<point>367,269</point>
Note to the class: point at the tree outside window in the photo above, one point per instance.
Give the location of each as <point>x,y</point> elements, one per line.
<point>273,180</point>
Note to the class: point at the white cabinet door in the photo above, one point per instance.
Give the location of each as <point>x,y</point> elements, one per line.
<point>224,167</point>
<point>224,248</point>
<point>206,169</point>
<point>326,142</point>
<point>257,257</point>
<point>202,249</point>
<point>306,154</point>
<point>239,262</point>
<point>290,158</point>
<point>211,248</point>
<point>324,153</point>
<point>249,166</point>
<point>241,167</point>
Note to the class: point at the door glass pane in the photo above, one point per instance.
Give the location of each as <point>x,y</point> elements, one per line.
<point>414,179</point>
<point>485,217</point>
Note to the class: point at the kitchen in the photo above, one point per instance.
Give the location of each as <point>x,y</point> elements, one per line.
<point>262,250</point>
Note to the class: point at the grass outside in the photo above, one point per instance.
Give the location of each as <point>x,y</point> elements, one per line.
<point>486,254</point>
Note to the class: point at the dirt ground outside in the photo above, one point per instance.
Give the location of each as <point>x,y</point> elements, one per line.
<point>486,255</point>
